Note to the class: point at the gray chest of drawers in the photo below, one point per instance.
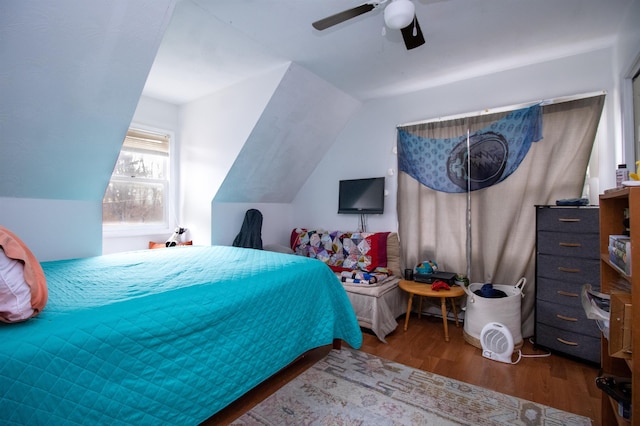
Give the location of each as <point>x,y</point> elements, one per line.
<point>567,257</point>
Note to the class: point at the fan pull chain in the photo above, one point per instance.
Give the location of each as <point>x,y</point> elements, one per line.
<point>415,27</point>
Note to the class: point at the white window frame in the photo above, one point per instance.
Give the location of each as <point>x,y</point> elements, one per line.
<point>114,231</point>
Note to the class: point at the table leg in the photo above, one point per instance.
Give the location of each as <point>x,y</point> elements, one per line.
<point>406,321</point>
<point>443,304</point>
<point>455,311</point>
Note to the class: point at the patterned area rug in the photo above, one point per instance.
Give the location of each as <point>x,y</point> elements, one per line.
<point>350,387</point>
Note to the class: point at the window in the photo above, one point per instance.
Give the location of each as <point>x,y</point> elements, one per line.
<point>138,194</point>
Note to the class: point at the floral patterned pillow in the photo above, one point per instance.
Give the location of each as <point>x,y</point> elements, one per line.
<point>342,251</point>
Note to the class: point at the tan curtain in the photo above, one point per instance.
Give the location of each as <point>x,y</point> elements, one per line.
<point>433,225</point>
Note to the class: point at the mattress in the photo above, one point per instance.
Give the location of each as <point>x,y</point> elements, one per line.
<point>165,336</point>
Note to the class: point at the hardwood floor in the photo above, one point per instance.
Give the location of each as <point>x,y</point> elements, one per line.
<point>556,381</point>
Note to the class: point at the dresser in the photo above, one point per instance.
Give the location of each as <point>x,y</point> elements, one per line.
<point>567,257</point>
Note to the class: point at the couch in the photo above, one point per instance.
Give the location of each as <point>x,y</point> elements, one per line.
<point>368,265</point>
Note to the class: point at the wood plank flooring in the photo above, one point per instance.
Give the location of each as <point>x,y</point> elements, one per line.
<point>556,381</point>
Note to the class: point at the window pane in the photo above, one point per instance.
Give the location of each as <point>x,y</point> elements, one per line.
<point>131,203</point>
<point>141,165</point>
<point>138,196</point>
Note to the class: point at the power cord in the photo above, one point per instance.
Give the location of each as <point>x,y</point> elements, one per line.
<point>521,355</point>
<point>362,223</point>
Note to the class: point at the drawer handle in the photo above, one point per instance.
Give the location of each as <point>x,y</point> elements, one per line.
<point>566,342</point>
<point>566,293</point>
<point>568,219</point>
<point>563,269</point>
<point>570,245</point>
<point>562,317</point>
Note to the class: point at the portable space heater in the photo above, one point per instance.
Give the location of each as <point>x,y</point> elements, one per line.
<point>497,342</point>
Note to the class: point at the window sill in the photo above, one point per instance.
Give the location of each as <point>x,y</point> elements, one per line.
<point>135,231</point>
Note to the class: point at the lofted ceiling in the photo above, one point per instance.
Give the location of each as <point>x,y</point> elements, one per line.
<point>212,44</point>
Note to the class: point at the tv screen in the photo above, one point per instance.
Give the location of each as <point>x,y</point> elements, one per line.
<point>361,196</point>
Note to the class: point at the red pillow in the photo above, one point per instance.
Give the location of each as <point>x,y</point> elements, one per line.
<point>154,245</point>
<point>378,250</point>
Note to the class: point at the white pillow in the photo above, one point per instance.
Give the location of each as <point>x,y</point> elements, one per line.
<point>15,293</point>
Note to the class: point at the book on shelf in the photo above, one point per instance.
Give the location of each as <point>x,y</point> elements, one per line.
<point>620,252</point>
<point>620,242</point>
<point>620,255</point>
<point>619,260</point>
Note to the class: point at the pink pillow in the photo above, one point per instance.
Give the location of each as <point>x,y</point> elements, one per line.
<point>15,294</point>
<point>22,280</point>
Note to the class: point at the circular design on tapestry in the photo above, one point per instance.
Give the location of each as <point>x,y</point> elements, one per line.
<point>488,157</point>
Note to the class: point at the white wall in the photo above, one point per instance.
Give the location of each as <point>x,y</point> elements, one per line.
<point>57,229</point>
<point>627,65</point>
<point>364,148</point>
<point>54,229</point>
<point>213,131</point>
<point>72,73</point>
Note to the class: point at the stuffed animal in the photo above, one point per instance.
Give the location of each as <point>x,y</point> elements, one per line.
<point>174,239</point>
<point>427,267</point>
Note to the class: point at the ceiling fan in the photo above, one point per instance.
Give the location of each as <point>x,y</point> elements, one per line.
<point>398,15</point>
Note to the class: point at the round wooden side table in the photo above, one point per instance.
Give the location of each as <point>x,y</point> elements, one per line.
<point>423,289</point>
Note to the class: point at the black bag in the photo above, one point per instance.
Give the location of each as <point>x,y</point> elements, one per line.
<point>250,235</point>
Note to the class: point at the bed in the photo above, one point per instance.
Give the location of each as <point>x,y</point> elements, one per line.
<point>377,304</point>
<point>165,336</point>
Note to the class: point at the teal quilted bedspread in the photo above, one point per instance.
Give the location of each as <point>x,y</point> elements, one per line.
<point>167,336</point>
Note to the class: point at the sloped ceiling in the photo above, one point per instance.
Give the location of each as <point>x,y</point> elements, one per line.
<point>296,128</point>
<point>213,44</point>
<point>71,76</point>
<point>72,71</point>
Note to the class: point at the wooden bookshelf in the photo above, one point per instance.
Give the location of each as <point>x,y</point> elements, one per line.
<point>613,204</point>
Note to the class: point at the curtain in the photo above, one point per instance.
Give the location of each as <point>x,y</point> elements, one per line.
<point>432,223</point>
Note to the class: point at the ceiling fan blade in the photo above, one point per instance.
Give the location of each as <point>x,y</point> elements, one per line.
<point>345,15</point>
<point>410,40</point>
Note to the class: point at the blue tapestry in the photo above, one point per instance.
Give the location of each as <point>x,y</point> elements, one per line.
<point>494,153</point>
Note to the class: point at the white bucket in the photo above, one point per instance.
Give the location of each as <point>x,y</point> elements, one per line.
<point>505,310</point>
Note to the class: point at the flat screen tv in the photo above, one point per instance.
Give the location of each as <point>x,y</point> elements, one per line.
<point>361,196</point>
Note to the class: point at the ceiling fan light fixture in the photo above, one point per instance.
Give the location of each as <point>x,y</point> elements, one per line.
<point>399,13</point>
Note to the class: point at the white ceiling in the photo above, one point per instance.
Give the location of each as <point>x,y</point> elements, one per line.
<point>212,44</point>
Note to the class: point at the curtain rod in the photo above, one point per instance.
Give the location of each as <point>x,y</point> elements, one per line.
<point>508,108</point>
